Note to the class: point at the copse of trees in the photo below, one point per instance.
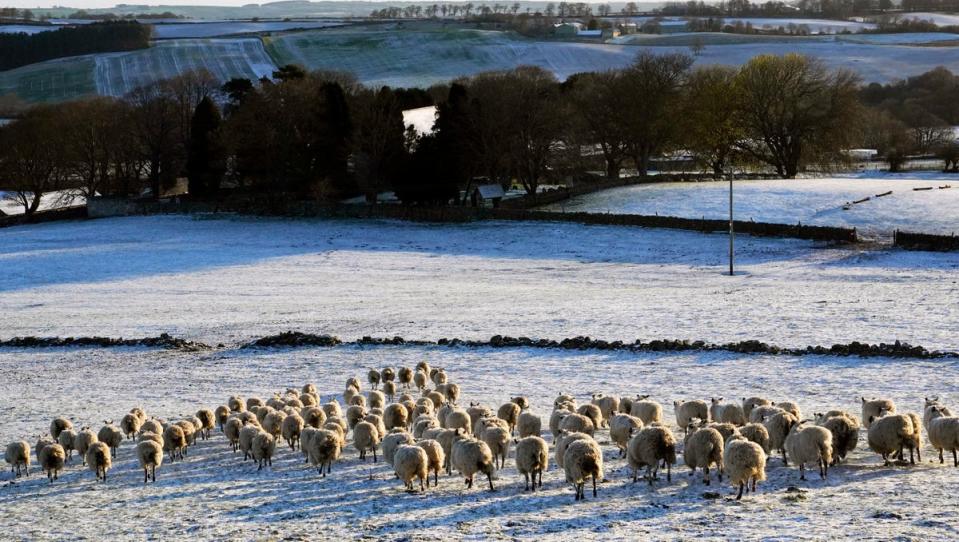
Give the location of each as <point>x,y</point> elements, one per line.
<point>21,49</point>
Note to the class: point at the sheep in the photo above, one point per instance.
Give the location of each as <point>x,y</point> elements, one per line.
<point>648,448</point>
<point>435,397</point>
<point>875,409</point>
<point>790,407</point>
<point>152,437</point>
<point>608,406</point>
<point>890,434</point>
<point>377,421</point>
<point>443,412</point>
<point>625,405</point>
<point>810,443</point>
<point>485,423</point>
<point>309,400</point>
<point>583,459</point>
<point>355,415</point>
<point>577,423</point>
<point>556,418</point>
<point>291,428</point>
<point>521,401</point>
<point>82,442</point>
<point>153,426</point>
<point>727,412</point>
<point>727,430</point>
<point>313,417</point>
<point>110,435</point>
<point>497,439</point>
<point>509,412</point>
<point>189,432</point>
<point>761,413</point>
<point>395,415</point>
<point>592,412</point>
<point>436,459</point>
<point>943,432</point>
<point>332,408</point>
<point>648,411</point>
<point>756,432</point>
<point>357,400</point>
<point>139,413</point>
<point>366,437</point>
<point>420,380</point>
<point>207,421</point>
<point>66,439</point>
<point>845,435</point>
<point>438,376</point>
<point>563,441</point>
<point>405,377</point>
<point>394,439</point>
<point>252,402</point>
<point>130,425</point>
<point>458,419</point>
<point>17,455</point>
<point>422,424</point>
<point>353,383</point>
<point>470,456</point>
<point>749,403</point>
<point>425,406</point>
<point>532,458</point>
<point>686,411</point>
<point>702,448</point>
<point>744,462</point>
<point>564,400</point>
<point>621,428</point>
<point>446,437</point>
<point>236,403</point>
<point>376,399</point>
<point>929,405</point>
<point>778,427</point>
<point>529,425</point>
<point>222,415</point>
<point>477,412</point>
<point>42,442</point>
<point>373,377</point>
<point>452,393</point>
<point>51,458</point>
<point>232,432</point>
<point>174,441</point>
<point>263,447</point>
<point>59,424</point>
<point>323,449</point>
<point>99,460</point>
<point>340,423</point>
<point>409,463</point>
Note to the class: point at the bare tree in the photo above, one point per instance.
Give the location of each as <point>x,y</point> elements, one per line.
<point>30,162</point>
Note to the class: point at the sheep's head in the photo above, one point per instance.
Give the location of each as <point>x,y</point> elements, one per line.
<point>642,397</point>
<point>932,401</point>
<point>716,401</point>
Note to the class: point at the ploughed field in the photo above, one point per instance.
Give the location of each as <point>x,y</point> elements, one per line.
<point>213,493</point>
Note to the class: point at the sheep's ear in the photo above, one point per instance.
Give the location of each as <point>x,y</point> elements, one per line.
<point>863,399</point>
<point>720,399</point>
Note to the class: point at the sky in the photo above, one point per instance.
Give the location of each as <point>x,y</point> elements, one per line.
<point>87,4</point>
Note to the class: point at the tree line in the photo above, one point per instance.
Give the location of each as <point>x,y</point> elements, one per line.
<point>323,136</point>
<point>21,49</point>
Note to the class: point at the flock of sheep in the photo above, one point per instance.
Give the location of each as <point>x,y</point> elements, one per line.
<point>412,418</point>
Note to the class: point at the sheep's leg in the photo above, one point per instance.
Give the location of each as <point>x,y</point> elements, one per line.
<point>955,461</point>
<point>541,477</point>
<point>706,475</point>
<point>421,482</point>
<point>785,461</point>
<point>739,496</point>
<point>669,472</point>
<point>941,460</point>
<point>802,471</point>
<point>469,483</point>
<point>918,453</point>
<point>374,454</point>
<point>489,476</point>
<point>754,484</point>
<point>526,478</point>
<point>594,485</point>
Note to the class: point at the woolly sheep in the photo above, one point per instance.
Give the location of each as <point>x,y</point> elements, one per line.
<point>174,441</point>
<point>98,459</point>
<point>509,412</point>
<point>625,405</point>
<point>497,439</point>
<point>139,413</point>
<point>152,425</point>
<point>648,411</point>
<point>337,421</point>
<point>353,383</point>
<point>263,447</point>
<point>394,439</point>
<point>262,412</point>
<point>376,399</point>
<point>592,412</point>
<point>564,399</point>
<point>744,462</point>
<point>389,390</point>
<point>252,402</point>
<point>150,456</point>
<point>332,408</point>
<point>437,398</point>
<point>556,418</point>
<point>583,460</point>
<point>395,415</point>
<point>388,374</point>
<point>189,431</point>
<point>756,432</point>
<point>366,437</point>
<point>686,411</point>
<point>82,442</point>
<point>377,421</point>
<point>436,459</point>
<point>577,423</point>
<point>727,430</point>
<point>452,393</point>
<point>458,419</point>
<point>433,433</point>
<point>621,429</point>
<point>443,412</point>
<point>420,379</point>
<point>532,458</point>
<point>521,401</point>
<point>943,432</point>
<point>410,463</point>
<point>485,423</point>
<point>445,437</point>
<point>42,442</point>
<point>778,427</point>
<point>762,413</point>
<point>66,439</point>
<point>151,436</point>
<point>727,412</point>
<point>563,441</point>
<point>232,432</point>
<point>608,406</point>
<point>423,424</point>
<point>112,436</point>
<point>890,434</point>
<point>59,424</point>
<point>405,376</point>
<point>470,456</point>
<point>927,411</point>
<point>355,415</point>
<point>650,446</point>
<point>529,425</point>
<point>749,403</point>
<point>438,376</point>
<point>357,400</point>
<point>313,417</point>
<point>207,421</point>
<point>51,459</point>
<point>425,406</point>
<point>290,429</point>
<point>790,407</point>
<point>477,411</point>
<point>17,455</point>
<point>845,435</point>
<point>810,444</point>
<point>703,448</point>
<point>236,403</point>
<point>373,377</point>
<point>309,399</point>
<point>222,414</point>
<point>876,408</point>
<point>130,425</point>
<point>323,449</point>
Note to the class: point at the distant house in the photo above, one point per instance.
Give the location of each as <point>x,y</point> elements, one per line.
<point>590,34</point>
<point>610,33</point>
<point>567,30</point>
<point>492,193</point>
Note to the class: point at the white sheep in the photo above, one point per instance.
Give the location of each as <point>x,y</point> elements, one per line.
<point>366,437</point>
<point>727,412</point>
<point>563,401</point>
<point>422,424</point>
<point>394,439</point>
<point>477,411</point>
<point>648,411</point>
<point>99,460</point>
<point>150,456</point>
<point>112,436</point>
<point>66,438</point>
<point>778,427</point>
<point>130,425</point>
<point>446,437</point>
<point>17,455</point>
<point>703,448</point>
<point>236,403</point>
<point>405,377</point>
<point>892,433</point>
<point>189,432</point>
<point>323,449</point>
<point>744,462</point>
<point>174,441</point>
<point>82,442</point>
<point>583,460</point>
<point>943,432</point>
<point>291,428</point>
<point>727,430</point>
<point>532,458</point>
<point>928,406</point>
<point>396,416</point>
<point>592,412</point>
<point>251,402</point>
<point>563,441</point>
<point>139,413</point>
<point>232,432</point>
<point>497,439</point>
<point>483,423</point>
<point>146,435</point>
<point>452,393</point>
<point>154,426</point>
<point>509,412</point>
<point>207,422</point>
<point>438,376</point>
<point>762,413</point>
<point>687,411</point>
<point>376,399</point>
<point>810,444</point>
<point>528,425</point>
<point>263,447</point>
<point>459,419</point>
<point>59,424</point>
<point>42,442</point>
<point>876,408</point>
<point>420,380</point>
<point>435,455</point>
<point>749,403</point>
<point>51,458</point>
<point>332,408</point>
<point>608,406</point>
<point>410,463</point>
<point>790,407</point>
<point>222,414</point>
<point>650,446</point>
<point>373,377</point>
<point>470,456</point>
<point>756,432</point>
<point>845,434</point>
<point>577,423</point>
<point>621,429</point>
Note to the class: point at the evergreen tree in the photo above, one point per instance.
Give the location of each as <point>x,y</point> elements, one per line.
<point>205,156</point>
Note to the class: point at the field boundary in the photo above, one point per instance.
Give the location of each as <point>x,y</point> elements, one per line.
<point>75,212</point>
<point>925,241</point>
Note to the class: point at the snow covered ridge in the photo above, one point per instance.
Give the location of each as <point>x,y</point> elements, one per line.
<point>162,341</point>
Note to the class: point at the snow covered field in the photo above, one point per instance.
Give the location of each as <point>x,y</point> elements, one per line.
<point>213,494</point>
<point>231,280</point>
<point>810,201</point>
<point>227,28</point>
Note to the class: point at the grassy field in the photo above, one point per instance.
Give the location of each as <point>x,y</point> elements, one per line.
<point>51,81</point>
